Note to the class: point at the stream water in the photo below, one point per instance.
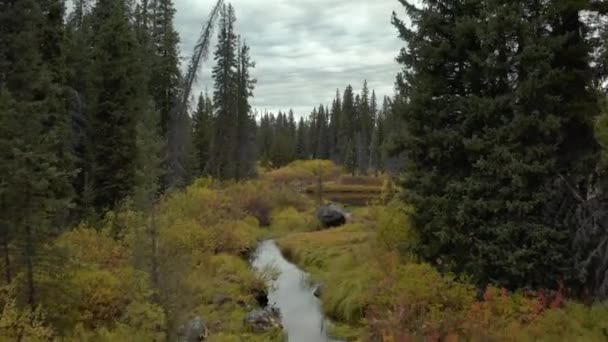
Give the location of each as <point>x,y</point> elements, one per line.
<point>301,314</point>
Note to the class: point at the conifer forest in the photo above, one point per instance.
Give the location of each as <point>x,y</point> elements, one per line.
<point>143,199</point>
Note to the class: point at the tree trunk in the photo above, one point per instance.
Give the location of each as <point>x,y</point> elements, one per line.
<point>7,257</point>
<point>320,189</point>
<point>29,260</point>
<point>154,238</point>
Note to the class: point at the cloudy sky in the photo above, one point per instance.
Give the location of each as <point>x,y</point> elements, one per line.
<point>305,49</point>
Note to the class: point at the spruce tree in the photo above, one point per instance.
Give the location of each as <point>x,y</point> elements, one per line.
<point>334,127</point>
<point>114,105</point>
<point>202,131</point>
<point>224,142</point>
<point>301,143</point>
<point>245,157</point>
<point>490,128</point>
<point>36,176</point>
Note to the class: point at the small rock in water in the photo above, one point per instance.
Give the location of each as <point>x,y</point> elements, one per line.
<point>262,320</point>
<point>318,292</point>
<point>331,216</point>
<point>194,331</point>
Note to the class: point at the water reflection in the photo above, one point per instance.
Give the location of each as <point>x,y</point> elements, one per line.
<point>302,317</point>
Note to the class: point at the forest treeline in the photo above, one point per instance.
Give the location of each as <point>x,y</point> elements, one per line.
<point>498,130</point>
<point>356,132</point>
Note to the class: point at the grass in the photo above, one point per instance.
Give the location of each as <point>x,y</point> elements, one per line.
<point>337,258</point>
<point>332,187</point>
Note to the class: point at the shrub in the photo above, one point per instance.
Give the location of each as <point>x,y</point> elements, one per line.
<point>421,302</point>
<point>290,220</point>
<point>21,324</point>
<point>393,228</point>
<point>233,237</point>
<point>260,198</point>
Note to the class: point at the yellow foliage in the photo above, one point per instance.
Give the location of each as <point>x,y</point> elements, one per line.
<point>86,245</point>
<point>393,228</point>
<point>21,324</point>
<point>305,172</point>
<point>290,220</point>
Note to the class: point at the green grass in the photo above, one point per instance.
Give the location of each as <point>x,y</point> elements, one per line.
<point>339,259</point>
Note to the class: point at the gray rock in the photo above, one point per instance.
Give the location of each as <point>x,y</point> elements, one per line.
<point>318,291</point>
<point>331,216</point>
<point>195,331</point>
<point>262,320</point>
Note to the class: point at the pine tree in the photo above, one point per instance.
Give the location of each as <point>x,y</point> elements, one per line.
<point>490,125</point>
<point>346,124</point>
<point>224,146</point>
<point>301,143</point>
<point>114,105</point>
<point>202,131</point>
<point>164,84</point>
<point>322,128</point>
<point>36,177</point>
<point>245,157</point>
<point>366,124</point>
<point>334,127</point>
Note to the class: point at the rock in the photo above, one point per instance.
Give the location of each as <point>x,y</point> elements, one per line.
<point>263,320</point>
<point>195,331</point>
<point>318,291</point>
<point>261,296</point>
<point>221,299</point>
<point>331,216</point>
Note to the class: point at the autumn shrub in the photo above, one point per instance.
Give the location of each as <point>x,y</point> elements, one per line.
<point>200,203</point>
<point>416,300</point>
<point>260,198</point>
<point>304,172</point>
<point>22,324</point>
<point>89,246</point>
<point>234,237</point>
<point>290,220</point>
<point>393,228</point>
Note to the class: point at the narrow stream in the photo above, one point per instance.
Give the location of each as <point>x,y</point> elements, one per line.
<point>302,318</point>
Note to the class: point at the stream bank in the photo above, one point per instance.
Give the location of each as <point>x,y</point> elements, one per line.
<point>290,292</point>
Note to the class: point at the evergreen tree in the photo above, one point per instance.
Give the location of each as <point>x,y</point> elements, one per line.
<point>301,143</point>
<point>366,124</point>
<point>202,131</point>
<point>334,127</point>
<point>346,124</point>
<point>36,177</point>
<point>245,157</point>
<point>322,129</point>
<point>490,125</point>
<point>224,141</point>
<point>114,106</point>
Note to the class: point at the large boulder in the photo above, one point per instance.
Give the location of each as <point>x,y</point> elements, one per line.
<point>263,320</point>
<point>331,216</point>
<point>194,331</point>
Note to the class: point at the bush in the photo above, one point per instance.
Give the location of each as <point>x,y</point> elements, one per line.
<point>290,220</point>
<point>393,228</point>
<point>304,172</point>
<point>234,237</point>
<point>260,198</point>
<point>21,324</point>
<point>421,301</point>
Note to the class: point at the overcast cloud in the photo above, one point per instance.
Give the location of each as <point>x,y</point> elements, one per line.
<point>305,49</point>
